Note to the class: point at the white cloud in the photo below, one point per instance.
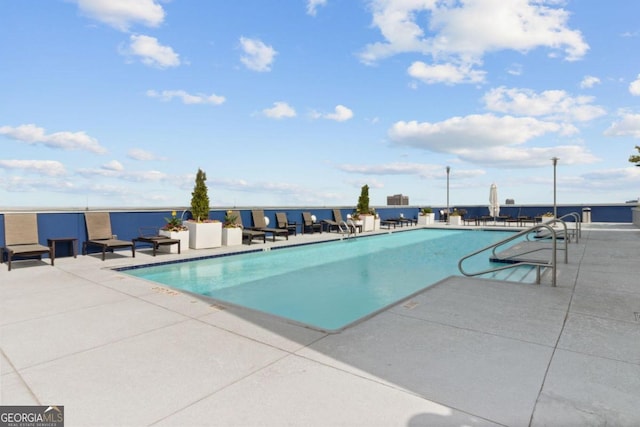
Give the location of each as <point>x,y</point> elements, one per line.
<point>445,73</point>
<point>41,167</point>
<point>515,69</point>
<point>634,87</point>
<point>24,184</point>
<point>121,14</point>
<point>151,52</point>
<point>463,32</point>
<point>143,155</point>
<point>113,165</point>
<point>187,98</point>
<point>258,56</point>
<point>418,169</point>
<point>387,169</point>
<point>312,6</point>
<point>614,178</point>
<point>280,110</point>
<point>476,132</point>
<point>31,134</point>
<point>628,125</point>
<point>340,114</point>
<point>286,191</point>
<point>589,82</point>
<point>552,104</point>
<point>519,157</point>
<point>113,170</point>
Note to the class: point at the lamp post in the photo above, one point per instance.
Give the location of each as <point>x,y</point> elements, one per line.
<point>555,207</point>
<point>448,170</point>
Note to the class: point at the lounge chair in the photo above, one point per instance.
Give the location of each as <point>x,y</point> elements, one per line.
<point>248,234</point>
<point>99,234</point>
<point>260,224</point>
<point>309,224</point>
<point>283,222</point>
<point>151,235</point>
<point>21,238</point>
<point>340,225</point>
<point>336,222</point>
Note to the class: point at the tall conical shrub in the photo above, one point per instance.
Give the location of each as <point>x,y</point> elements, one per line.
<point>363,200</point>
<point>200,198</point>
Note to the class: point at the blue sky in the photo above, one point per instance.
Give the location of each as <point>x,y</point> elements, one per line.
<point>301,102</point>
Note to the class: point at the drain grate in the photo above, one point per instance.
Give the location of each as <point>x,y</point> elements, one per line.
<point>410,305</point>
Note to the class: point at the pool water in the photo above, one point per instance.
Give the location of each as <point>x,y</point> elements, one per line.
<point>329,286</point>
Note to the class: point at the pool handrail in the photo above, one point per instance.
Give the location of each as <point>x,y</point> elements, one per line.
<point>538,264</point>
<point>576,232</point>
<point>578,221</point>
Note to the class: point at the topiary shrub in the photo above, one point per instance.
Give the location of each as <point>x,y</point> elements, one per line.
<point>200,198</point>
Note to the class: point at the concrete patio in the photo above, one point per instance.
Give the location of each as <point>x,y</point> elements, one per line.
<point>116,350</point>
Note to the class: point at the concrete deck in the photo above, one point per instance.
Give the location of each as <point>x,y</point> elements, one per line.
<point>116,350</point>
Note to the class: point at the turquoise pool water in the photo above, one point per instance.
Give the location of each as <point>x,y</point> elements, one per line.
<point>330,285</point>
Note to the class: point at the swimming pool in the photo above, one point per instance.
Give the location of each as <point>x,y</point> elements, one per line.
<point>328,286</point>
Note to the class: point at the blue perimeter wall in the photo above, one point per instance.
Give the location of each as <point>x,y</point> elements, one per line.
<point>126,224</point>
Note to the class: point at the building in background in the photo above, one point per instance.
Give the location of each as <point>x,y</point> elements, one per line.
<point>397,200</point>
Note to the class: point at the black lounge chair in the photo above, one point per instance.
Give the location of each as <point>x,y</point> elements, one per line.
<point>248,234</point>
<point>388,223</point>
<point>21,238</point>
<point>337,221</point>
<point>340,225</point>
<point>309,224</point>
<point>283,223</point>
<point>260,224</point>
<point>99,234</point>
<point>151,236</point>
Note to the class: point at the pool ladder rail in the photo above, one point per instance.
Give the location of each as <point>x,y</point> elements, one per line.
<point>347,229</point>
<point>516,261</point>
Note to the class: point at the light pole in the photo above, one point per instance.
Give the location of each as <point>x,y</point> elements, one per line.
<point>448,170</point>
<point>555,207</point>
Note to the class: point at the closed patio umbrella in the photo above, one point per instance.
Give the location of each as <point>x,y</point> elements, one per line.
<point>494,204</point>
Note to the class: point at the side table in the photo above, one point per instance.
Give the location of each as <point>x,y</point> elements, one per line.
<point>71,241</point>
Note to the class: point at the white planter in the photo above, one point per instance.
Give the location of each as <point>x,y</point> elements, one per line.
<point>204,235</point>
<point>183,236</point>
<point>431,218</point>
<point>427,219</point>
<point>547,218</point>
<point>455,220</point>
<point>376,224</point>
<point>367,222</point>
<point>231,236</point>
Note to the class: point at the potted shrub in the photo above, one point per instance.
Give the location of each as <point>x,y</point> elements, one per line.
<point>174,229</point>
<point>203,232</point>
<point>456,217</point>
<point>547,216</point>
<point>231,230</point>
<point>363,210</point>
<point>426,216</point>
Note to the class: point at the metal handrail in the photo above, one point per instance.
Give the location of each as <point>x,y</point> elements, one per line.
<point>578,230</point>
<point>538,264</point>
<point>578,222</point>
<point>555,236</point>
<point>348,228</point>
